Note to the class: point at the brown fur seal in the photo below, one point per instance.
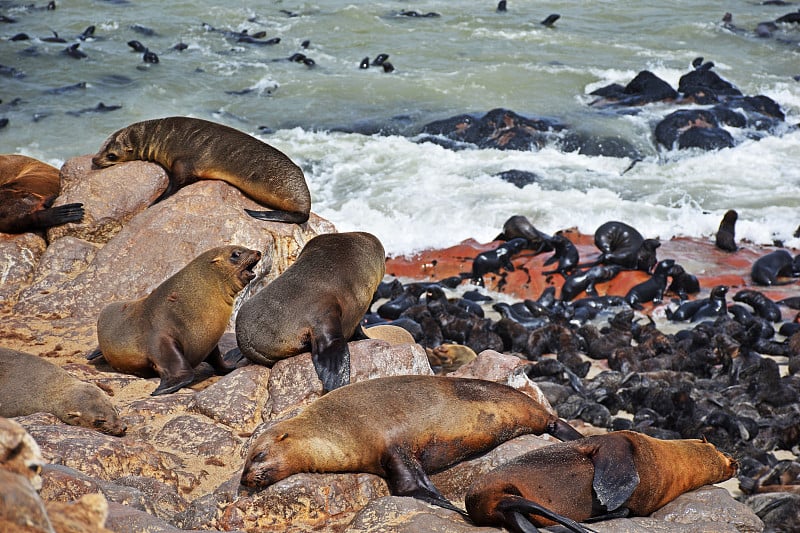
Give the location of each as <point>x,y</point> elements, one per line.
<point>178,325</point>
<point>726,234</point>
<point>592,477</point>
<point>192,149</point>
<point>401,428</point>
<point>315,305</point>
<point>28,188</point>
<point>30,384</point>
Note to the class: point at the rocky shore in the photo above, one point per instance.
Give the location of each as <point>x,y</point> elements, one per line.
<point>179,464</point>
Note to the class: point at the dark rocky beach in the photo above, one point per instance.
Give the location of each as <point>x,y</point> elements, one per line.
<point>179,463</point>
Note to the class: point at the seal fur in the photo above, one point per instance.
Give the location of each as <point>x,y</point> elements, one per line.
<point>401,428</point>
<point>315,305</point>
<point>30,384</point>
<point>177,326</point>
<point>606,473</point>
<point>192,149</point>
<point>28,188</point>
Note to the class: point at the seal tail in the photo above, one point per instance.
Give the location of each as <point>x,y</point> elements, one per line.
<point>515,510</point>
<point>291,217</point>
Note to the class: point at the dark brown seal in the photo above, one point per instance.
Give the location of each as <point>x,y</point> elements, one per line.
<point>315,305</point>
<point>192,149</point>
<point>28,188</point>
<point>593,477</point>
<point>401,428</point>
<point>178,325</point>
<point>726,234</point>
<point>29,384</point>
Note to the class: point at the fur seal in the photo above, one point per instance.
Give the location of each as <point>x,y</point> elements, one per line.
<point>30,384</point>
<point>726,234</point>
<point>566,254</point>
<point>768,269</point>
<point>494,260</point>
<point>401,428</point>
<point>28,187</point>
<point>315,305</point>
<point>586,281</point>
<point>178,325</point>
<point>192,149</point>
<point>606,473</point>
<point>619,244</point>
<point>518,226</point>
<point>651,290</point>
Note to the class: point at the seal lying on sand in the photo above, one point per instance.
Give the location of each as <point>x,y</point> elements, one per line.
<point>178,325</point>
<point>30,384</point>
<point>401,428</point>
<point>192,149</point>
<point>592,477</point>
<point>28,188</point>
<point>315,305</point>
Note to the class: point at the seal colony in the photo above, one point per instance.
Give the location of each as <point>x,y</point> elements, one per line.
<point>192,149</point>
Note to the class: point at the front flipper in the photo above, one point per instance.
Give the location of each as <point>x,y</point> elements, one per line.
<point>329,351</point>
<point>94,354</point>
<point>405,477</point>
<point>219,363</point>
<point>516,508</point>
<point>615,476</point>
<point>289,217</point>
<point>563,431</point>
<point>55,216</point>
<point>172,367</point>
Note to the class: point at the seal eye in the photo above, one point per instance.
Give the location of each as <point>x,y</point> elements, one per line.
<point>236,255</point>
<point>111,156</point>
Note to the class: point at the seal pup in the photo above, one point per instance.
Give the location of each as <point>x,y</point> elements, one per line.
<point>593,477</point>
<point>30,384</point>
<point>519,226</point>
<point>494,260</point>
<point>566,254</point>
<point>28,187</point>
<point>651,290</point>
<point>586,281</point>
<point>401,428</point>
<point>315,305</point>
<point>177,326</point>
<point>192,149</point>
<point>726,234</point>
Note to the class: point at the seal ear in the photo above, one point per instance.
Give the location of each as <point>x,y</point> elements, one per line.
<point>281,437</point>
<point>615,476</point>
<point>74,415</point>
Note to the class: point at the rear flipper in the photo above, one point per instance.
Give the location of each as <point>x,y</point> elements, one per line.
<point>62,214</point>
<point>279,216</point>
<point>329,351</point>
<point>220,364</point>
<point>563,431</point>
<point>515,511</point>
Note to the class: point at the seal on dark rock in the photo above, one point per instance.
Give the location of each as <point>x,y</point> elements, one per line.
<point>315,305</point>
<point>773,268</point>
<point>401,428</point>
<point>178,325</point>
<point>192,149</point>
<point>726,234</point>
<point>30,384</point>
<point>28,187</point>
<point>594,477</point>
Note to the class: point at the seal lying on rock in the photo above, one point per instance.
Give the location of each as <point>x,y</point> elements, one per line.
<point>30,384</point>
<point>192,149</point>
<point>592,477</point>
<point>28,188</point>
<point>401,428</point>
<point>178,325</point>
<point>315,305</point>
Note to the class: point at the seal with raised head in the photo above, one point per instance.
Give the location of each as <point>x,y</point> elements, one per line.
<point>315,305</point>
<point>178,325</point>
<point>594,477</point>
<point>28,187</point>
<point>725,238</point>
<point>30,384</point>
<point>192,149</point>
<point>401,428</point>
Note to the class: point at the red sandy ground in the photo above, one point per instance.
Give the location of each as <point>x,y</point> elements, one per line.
<point>699,257</point>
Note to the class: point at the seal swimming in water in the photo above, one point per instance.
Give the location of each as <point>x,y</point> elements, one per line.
<point>315,305</point>
<point>177,326</point>
<point>592,477</point>
<point>28,187</point>
<point>401,428</point>
<point>192,149</point>
<point>30,384</point>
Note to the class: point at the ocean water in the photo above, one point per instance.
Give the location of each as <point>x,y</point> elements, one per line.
<point>469,59</point>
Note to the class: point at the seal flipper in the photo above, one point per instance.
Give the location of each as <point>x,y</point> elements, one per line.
<point>279,216</point>
<point>615,476</point>
<point>174,370</point>
<point>563,431</point>
<point>330,353</point>
<point>405,477</point>
<point>94,354</point>
<point>55,216</point>
<point>515,508</point>
<point>219,363</point>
